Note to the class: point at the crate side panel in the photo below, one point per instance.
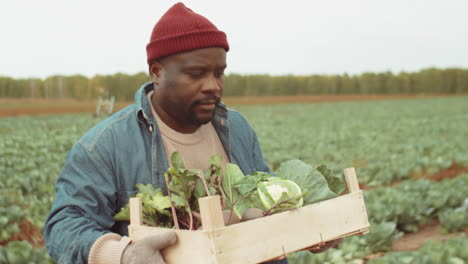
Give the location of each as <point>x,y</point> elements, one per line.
<point>269,237</point>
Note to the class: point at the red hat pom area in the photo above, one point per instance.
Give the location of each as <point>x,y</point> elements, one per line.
<point>180,29</point>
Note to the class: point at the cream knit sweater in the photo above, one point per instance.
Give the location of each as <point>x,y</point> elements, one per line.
<point>195,149</point>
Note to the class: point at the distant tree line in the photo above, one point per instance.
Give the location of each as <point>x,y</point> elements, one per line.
<point>123,86</point>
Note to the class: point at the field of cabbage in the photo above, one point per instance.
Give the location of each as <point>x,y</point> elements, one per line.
<point>411,158</point>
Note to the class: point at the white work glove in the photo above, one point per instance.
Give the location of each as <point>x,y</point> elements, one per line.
<point>147,250</point>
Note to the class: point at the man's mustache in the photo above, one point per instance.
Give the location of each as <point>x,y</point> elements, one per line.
<point>208,100</point>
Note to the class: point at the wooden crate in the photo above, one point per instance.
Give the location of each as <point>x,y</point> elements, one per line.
<point>264,238</point>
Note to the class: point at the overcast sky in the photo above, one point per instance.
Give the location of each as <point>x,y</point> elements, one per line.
<point>46,37</point>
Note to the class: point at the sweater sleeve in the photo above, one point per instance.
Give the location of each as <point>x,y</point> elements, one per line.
<point>108,249</point>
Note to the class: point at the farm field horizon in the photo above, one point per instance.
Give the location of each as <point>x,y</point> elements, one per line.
<point>410,153</point>
<point>33,106</point>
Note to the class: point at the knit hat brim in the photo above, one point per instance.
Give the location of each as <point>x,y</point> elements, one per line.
<point>163,47</point>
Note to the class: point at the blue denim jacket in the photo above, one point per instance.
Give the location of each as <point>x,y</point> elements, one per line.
<point>102,169</point>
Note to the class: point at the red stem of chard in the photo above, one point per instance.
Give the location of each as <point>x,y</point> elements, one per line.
<point>174,214</point>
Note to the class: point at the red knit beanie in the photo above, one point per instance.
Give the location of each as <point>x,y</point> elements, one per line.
<point>180,29</point>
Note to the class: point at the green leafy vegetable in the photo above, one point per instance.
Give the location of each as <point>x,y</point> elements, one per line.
<point>155,207</point>
<point>232,176</point>
<point>311,179</point>
<point>279,192</point>
<point>456,219</point>
<point>335,184</point>
<point>239,192</point>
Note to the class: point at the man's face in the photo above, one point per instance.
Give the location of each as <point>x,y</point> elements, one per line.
<point>189,87</point>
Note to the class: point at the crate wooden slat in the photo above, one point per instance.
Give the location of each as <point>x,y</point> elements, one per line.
<point>264,238</point>
<point>191,246</point>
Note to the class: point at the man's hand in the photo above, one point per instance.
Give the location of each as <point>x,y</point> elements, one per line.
<point>322,247</point>
<point>146,250</point>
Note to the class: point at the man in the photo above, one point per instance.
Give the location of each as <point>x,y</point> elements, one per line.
<point>180,110</point>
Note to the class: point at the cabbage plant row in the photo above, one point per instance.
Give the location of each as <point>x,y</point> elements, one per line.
<point>387,141</point>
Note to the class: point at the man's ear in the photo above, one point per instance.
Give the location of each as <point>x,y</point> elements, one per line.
<point>155,69</point>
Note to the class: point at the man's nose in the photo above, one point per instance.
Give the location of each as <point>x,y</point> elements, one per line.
<point>212,85</point>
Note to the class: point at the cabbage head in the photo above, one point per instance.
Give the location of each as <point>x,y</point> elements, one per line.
<point>279,192</point>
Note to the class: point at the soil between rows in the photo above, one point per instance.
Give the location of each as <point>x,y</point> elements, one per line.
<point>413,241</point>
<point>32,106</point>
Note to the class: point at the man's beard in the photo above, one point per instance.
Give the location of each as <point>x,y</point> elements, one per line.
<point>192,115</point>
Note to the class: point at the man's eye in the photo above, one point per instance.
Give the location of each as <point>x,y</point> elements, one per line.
<point>195,75</point>
<point>219,74</point>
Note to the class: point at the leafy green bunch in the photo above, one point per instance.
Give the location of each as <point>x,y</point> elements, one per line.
<point>179,208</point>
<point>156,207</point>
<point>279,193</point>
<point>238,192</point>
<point>185,186</point>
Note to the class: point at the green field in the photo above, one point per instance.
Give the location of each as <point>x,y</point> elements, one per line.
<point>389,142</point>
